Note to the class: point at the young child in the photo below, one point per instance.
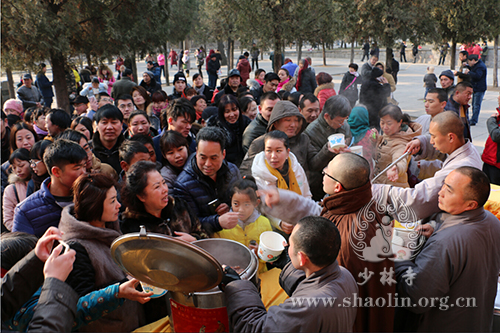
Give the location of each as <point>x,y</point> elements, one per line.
<point>18,180</point>
<point>251,223</point>
<point>175,151</point>
<point>430,80</point>
<point>397,130</point>
<point>277,166</point>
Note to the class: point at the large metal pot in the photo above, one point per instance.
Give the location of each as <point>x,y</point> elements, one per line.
<point>227,252</point>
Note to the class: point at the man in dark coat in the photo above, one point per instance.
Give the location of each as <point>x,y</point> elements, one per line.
<point>366,51</point>
<point>258,126</point>
<point>180,83</point>
<point>28,93</point>
<point>45,86</point>
<point>108,137</point>
<point>459,103</point>
<point>124,85</point>
<point>311,275</point>
<point>373,95</point>
<point>149,82</point>
<point>477,73</point>
<point>332,120</point>
<point>271,81</point>
<point>231,88</point>
<point>205,182</point>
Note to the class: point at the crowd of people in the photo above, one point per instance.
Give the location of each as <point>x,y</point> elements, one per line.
<point>234,158</point>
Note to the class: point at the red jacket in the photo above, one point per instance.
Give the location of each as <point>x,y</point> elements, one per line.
<point>491,153</point>
<point>245,69</point>
<point>324,92</point>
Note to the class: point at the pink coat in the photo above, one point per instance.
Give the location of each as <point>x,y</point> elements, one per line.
<point>324,92</point>
<point>10,201</point>
<point>111,81</point>
<point>161,59</point>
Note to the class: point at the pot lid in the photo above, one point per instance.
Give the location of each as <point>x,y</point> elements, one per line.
<point>166,262</point>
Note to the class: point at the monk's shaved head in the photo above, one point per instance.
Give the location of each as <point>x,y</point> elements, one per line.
<point>449,122</point>
<point>351,170</point>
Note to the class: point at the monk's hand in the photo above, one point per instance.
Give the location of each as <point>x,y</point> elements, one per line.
<point>425,229</point>
<point>413,146</point>
<point>283,259</point>
<point>392,174</point>
<point>286,227</point>
<point>271,196</point>
<point>230,275</point>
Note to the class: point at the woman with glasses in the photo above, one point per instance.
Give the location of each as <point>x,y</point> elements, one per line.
<point>40,172</point>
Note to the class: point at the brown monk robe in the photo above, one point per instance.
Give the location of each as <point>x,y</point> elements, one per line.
<point>350,196</point>
<point>342,209</point>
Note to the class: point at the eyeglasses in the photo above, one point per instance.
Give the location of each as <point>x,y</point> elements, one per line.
<point>34,163</point>
<point>325,174</point>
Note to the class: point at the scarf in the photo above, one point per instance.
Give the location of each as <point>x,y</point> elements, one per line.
<point>299,77</point>
<point>281,84</point>
<point>359,123</point>
<point>38,130</point>
<point>199,90</point>
<point>281,183</point>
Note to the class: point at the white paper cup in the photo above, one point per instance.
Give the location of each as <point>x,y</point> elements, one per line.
<point>157,292</point>
<point>270,246</point>
<point>336,140</point>
<point>358,150</point>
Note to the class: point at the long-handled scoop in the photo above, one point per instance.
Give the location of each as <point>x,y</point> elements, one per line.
<point>391,165</point>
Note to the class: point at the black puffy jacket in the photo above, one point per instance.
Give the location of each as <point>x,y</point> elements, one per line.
<point>197,190</point>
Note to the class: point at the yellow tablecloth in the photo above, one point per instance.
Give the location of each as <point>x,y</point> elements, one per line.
<point>272,294</point>
<point>493,203</point>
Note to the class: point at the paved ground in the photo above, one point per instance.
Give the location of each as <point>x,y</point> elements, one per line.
<point>409,91</point>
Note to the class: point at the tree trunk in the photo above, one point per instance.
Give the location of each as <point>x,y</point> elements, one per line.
<point>453,53</point>
<point>165,66</point>
<point>231,54</point>
<point>59,78</point>
<point>352,51</point>
<point>277,55</point>
<point>220,47</point>
<point>134,66</point>
<point>10,83</point>
<point>388,59</point>
<point>299,50</point>
<point>324,53</point>
<point>495,62</point>
<point>229,64</point>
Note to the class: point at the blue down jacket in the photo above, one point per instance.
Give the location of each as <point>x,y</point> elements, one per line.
<point>38,212</point>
